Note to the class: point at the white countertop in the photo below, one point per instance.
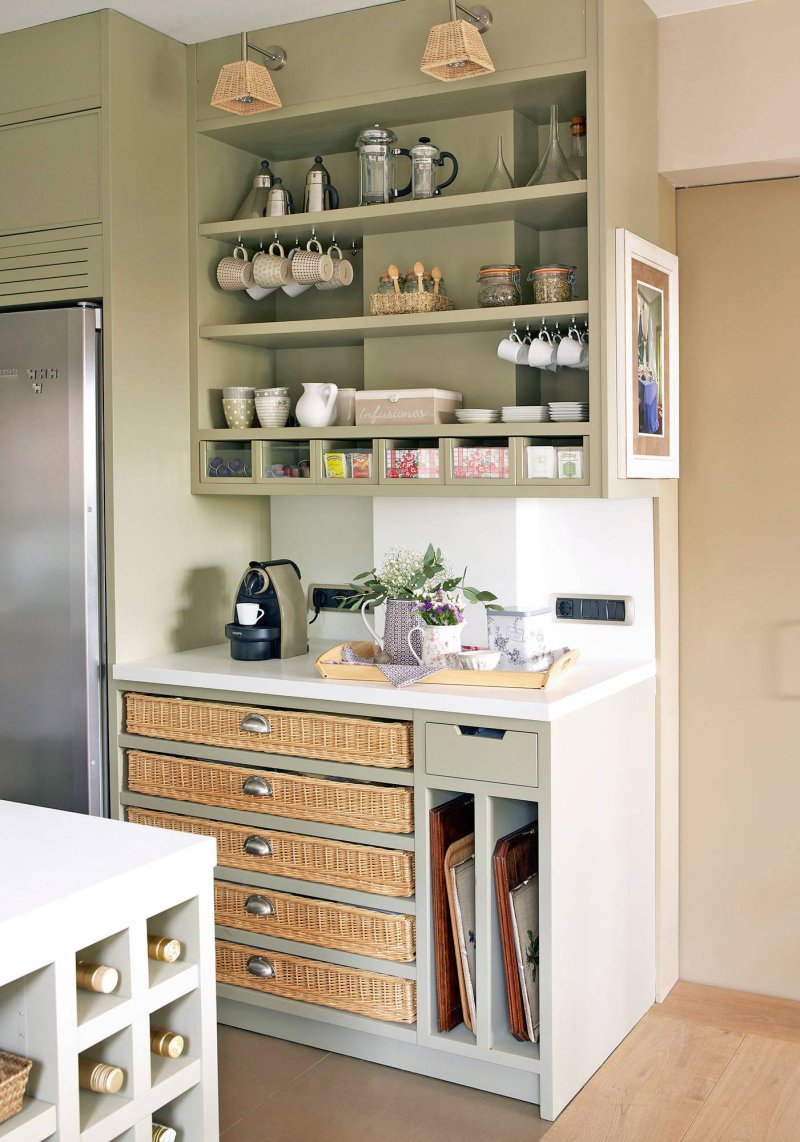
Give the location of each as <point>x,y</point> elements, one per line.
<point>49,856</point>
<point>212,668</point>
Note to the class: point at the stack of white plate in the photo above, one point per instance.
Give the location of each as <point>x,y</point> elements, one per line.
<point>477,415</point>
<point>569,410</point>
<point>525,413</point>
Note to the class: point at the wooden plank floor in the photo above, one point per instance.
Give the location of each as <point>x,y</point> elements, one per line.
<point>707,1065</point>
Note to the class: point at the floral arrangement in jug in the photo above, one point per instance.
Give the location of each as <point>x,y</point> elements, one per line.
<point>438,609</point>
<point>414,575</point>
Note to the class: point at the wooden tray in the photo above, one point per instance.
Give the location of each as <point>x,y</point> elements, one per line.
<point>330,665</point>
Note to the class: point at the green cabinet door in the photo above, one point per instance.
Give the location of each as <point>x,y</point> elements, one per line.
<point>50,64</point>
<point>51,173</point>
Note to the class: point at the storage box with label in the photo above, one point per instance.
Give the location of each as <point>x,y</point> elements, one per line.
<point>540,462</point>
<point>387,407</point>
<point>570,463</point>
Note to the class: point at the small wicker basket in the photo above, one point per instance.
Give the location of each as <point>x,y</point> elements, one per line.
<point>365,868</point>
<point>342,927</point>
<point>297,733</point>
<point>388,304</point>
<point>382,808</point>
<point>14,1073</point>
<point>378,996</point>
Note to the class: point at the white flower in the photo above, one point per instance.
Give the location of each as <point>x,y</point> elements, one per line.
<point>399,568</point>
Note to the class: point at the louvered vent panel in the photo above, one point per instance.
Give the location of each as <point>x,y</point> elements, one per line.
<point>58,269</point>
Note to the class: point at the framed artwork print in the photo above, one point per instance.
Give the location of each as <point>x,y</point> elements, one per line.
<point>647,359</point>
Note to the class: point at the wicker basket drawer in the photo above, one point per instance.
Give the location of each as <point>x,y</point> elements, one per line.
<point>348,989</point>
<point>361,867</point>
<point>342,927</point>
<point>384,808</point>
<point>360,741</point>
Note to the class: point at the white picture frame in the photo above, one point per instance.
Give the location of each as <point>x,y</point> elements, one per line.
<point>648,369</point>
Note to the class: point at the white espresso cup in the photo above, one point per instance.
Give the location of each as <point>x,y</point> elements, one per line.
<point>248,614</point>
<point>513,349</point>
<point>570,350</point>
<point>542,352</point>
<point>258,293</point>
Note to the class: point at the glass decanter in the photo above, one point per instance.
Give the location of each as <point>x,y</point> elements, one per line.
<point>499,178</point>
<point>554,166</point>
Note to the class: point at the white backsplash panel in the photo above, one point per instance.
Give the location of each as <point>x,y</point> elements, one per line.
<point>522,550</point>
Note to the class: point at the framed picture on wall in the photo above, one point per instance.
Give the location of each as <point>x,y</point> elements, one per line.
<point>647,359</point>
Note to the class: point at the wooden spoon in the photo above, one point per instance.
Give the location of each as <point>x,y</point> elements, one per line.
<point>394,274</point>
<point>436,274</point>
<point>419,271</point>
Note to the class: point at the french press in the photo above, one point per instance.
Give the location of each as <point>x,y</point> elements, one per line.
<point>376,154</point>
<point>424,158</point>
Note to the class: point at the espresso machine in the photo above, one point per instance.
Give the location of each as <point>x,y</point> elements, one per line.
<point>272,596</point>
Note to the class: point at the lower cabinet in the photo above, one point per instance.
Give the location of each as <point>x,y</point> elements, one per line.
<point>466,919</point>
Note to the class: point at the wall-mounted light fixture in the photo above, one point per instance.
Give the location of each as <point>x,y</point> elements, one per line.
<point>246,88</point>
<point>455,50</point>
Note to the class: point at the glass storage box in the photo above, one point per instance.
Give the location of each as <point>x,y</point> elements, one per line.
<point>347,460</point>
<point>478,460</point>
<point>285,460</point>
<point>416,460</point>
<point>227,460</point>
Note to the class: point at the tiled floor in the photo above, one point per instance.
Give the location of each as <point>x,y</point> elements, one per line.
<point>705,1066</point>
<point>271,1091</point>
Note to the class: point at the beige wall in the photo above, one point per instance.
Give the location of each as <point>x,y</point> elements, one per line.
<point>174,558</point>
<point>739,574</point>
<point>729,91</point>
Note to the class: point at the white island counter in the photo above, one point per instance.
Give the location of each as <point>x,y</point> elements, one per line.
<point>212,668</point>
<point>77,887</point>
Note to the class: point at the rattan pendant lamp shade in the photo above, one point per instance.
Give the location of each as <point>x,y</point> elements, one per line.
<point>455,50</point>
<point>246,88</point>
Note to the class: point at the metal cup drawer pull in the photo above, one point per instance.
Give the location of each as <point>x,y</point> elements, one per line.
<point>259,906</point>
<point>258,846</point>
<point>257,787</point>
<point>255,724</point>
<point>260,966</point>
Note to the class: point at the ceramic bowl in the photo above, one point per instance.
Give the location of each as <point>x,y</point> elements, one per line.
<point>238,394</point>
<point>479,659</point>
<point>239,413</point>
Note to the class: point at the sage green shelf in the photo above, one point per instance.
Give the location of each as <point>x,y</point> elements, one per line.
<point>357,330</point>
<point>558,206</point>
<point>400,432</point>
<point>332,126</point>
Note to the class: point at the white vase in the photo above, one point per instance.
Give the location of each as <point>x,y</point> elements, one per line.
<point>440,648</point>
<point>317,406</point>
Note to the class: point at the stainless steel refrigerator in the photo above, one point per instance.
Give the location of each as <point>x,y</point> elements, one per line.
<point>51,600</point>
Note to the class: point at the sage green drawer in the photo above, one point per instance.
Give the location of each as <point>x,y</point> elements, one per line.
<point>456,751</point>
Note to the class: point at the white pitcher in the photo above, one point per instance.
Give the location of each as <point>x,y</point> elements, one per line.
<point>317,406</point>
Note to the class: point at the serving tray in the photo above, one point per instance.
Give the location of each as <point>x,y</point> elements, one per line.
<point>331,665</point>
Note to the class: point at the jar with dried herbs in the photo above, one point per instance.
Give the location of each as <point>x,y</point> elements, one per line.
<point>499,285</point>
<point>552,284</point>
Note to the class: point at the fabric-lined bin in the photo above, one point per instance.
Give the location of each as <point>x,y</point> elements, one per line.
<point>382,808</point>
<point>389,872</point>
<point>327,737</point>
<point>385,997</point>
<point>342,927</point>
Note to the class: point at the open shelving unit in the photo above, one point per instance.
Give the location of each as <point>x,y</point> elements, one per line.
<point>331,336</point>
<point>103,907</point>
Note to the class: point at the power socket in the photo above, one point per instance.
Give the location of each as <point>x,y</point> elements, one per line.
<point>614,610</point>
<point>328,596</point>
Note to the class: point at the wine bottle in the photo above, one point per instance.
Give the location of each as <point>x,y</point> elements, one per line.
<point>102,1078</point>
<point>163,1133</point>
<point>166,1043</point>
<point>164,948</point>
<point>96,977</point>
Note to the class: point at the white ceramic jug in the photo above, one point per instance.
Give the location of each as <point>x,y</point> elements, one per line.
<point>317,406</point>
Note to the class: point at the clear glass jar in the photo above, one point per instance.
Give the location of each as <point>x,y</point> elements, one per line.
<point>552,284</point>
<point>385,284</point>
<point>499,285</point>
<point>411,285</point>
